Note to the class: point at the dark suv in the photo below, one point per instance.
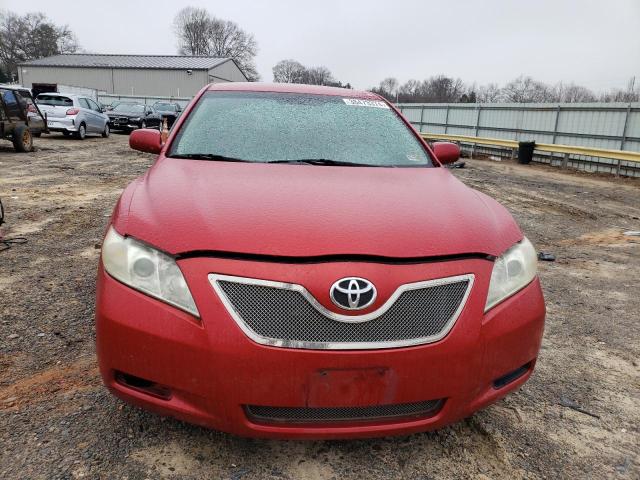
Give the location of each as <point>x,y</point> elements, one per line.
<point>20,117</point>
<point>169,111</point>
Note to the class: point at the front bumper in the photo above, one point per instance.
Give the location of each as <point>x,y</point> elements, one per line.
<point>123,125</point>
<point>207,371</point>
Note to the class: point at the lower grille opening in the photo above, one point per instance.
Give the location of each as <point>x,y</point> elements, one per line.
<point>511,376</point>
<point>306,415</point>
<point>142,385</point>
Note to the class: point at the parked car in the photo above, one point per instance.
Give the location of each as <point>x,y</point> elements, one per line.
<point>73,114</point>
<point>20,118</point>
<point>297,263</point>
<point>170,111</point>
<point>128,116</point>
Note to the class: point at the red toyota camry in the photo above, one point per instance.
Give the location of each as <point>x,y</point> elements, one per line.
<point>298,263</point>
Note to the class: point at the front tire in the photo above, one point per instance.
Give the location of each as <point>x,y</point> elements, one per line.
<point>107,131</point>
<point>22,139</point>
<point>82,132</point>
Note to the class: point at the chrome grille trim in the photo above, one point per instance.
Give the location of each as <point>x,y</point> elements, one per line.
<point>215,280</point>
<point>306,415</point>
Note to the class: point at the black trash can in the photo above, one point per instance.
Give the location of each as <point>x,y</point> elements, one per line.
<point>525,152</point>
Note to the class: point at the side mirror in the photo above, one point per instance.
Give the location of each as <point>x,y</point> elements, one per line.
<point>446,152</point>
<point>145,140</point>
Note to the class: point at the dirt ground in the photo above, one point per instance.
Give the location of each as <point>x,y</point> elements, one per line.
<point>57,421</point>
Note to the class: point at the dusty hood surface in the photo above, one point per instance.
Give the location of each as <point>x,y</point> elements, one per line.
<point>184,206</point>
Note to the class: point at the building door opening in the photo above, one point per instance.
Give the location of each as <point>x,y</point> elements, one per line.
<point>38,88</point>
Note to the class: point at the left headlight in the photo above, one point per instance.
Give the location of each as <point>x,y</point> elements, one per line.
<point>146,269</point>
<point>512,271</point>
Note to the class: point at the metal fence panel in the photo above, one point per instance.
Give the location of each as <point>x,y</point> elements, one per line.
<point>633,128</point>
<point>614,126</point>
<point>433,115</point>
<point>592,122</point>
<point>539,120</point>
<point>413,115</point>
<point>463,116</point>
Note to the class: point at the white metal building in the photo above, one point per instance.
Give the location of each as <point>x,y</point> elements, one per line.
<point>140,75</point>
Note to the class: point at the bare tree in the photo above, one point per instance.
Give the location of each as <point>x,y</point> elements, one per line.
<point>443,89</point>
<point>292,71</point>
<point>318,76</point>
<point>527,90</point>
<point>573,93</point>
<point>200,33</point>
<point>489,93</point>
<point>31,36</point>
<point>409,91</point>
<point>191,25</point>
<point>631,94</point>
<point>289,71</point>
<point>228,40</point>
<point>388,88</point>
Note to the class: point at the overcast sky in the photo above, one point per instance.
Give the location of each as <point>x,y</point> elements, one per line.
<point>595,43</point>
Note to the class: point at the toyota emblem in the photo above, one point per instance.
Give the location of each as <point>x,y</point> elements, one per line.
<point>353,293</point>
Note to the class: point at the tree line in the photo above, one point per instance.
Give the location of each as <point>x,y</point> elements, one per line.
<point>292,71</point>
<point>524,89</point>
<point>28,37</point>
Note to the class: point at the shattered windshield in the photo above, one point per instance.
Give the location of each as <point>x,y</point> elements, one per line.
<point>268,127</point>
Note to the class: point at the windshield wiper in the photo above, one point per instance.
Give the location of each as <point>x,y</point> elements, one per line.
<point>324,161</point>
<point>207,156</point>
<point>305,161</point>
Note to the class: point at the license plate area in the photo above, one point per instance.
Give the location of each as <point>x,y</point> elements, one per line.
<point>351,387</point>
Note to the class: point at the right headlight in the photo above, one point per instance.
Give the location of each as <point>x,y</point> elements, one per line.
<point>512,271</point>
<point>146,269</point>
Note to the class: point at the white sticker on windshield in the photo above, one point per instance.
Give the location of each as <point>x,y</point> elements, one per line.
<point>360,102</point>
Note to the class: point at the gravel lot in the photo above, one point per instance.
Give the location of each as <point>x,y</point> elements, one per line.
<point>57,421</point>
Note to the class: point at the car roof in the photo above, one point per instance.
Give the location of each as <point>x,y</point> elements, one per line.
<point>14,87</point>
<point>292,88</point>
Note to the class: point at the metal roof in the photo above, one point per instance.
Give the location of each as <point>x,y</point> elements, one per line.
<point>166,62</point>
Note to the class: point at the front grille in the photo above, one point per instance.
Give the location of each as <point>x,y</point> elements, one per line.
<point>287,315</point>
<point>261,414</point>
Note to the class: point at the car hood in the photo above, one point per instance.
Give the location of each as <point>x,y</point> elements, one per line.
<point>183,206</point>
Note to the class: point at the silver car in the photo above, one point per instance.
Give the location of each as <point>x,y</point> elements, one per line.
<point>73,114</point>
